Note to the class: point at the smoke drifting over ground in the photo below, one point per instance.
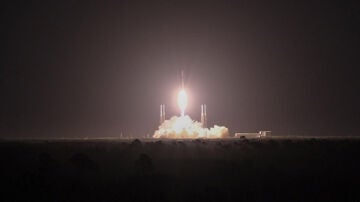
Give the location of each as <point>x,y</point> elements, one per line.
<point>185,127</point>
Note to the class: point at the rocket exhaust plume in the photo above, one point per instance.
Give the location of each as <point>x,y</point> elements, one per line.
<point>182,101</point>
<point>185,127</point>
<point>182,96</point>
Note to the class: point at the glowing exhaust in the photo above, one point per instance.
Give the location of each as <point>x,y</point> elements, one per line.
<point>182,101</point>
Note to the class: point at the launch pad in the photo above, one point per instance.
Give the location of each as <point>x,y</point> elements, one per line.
<point>183,126</point>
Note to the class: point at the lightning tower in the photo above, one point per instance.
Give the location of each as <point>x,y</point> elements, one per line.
<point>162,113</point>
<point>203,116</point>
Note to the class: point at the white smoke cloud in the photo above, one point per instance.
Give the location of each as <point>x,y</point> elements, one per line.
<point>185,127</point>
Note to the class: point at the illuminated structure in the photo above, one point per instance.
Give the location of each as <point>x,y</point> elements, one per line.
<point>162,113</point>
<point>203,116</point>
<point>260,134</point>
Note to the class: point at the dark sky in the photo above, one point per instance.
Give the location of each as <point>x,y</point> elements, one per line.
<point>99,68</point>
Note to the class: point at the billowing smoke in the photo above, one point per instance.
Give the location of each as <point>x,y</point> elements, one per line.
<point>185,127</point>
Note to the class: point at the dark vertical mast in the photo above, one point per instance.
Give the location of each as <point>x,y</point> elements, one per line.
<point>182,79</point>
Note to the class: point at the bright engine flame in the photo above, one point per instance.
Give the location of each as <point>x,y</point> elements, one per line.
<point>182,101</point>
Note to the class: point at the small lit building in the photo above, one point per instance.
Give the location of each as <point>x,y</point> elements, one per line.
<point>262,133</point>
<point>247,135</point>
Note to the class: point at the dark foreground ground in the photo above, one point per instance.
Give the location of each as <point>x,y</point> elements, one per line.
<point>276,169</point>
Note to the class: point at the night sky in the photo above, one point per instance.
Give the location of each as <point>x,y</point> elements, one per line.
<point>101,68</point>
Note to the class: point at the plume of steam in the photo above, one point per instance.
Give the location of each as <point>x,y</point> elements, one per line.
<point>185,127</point>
